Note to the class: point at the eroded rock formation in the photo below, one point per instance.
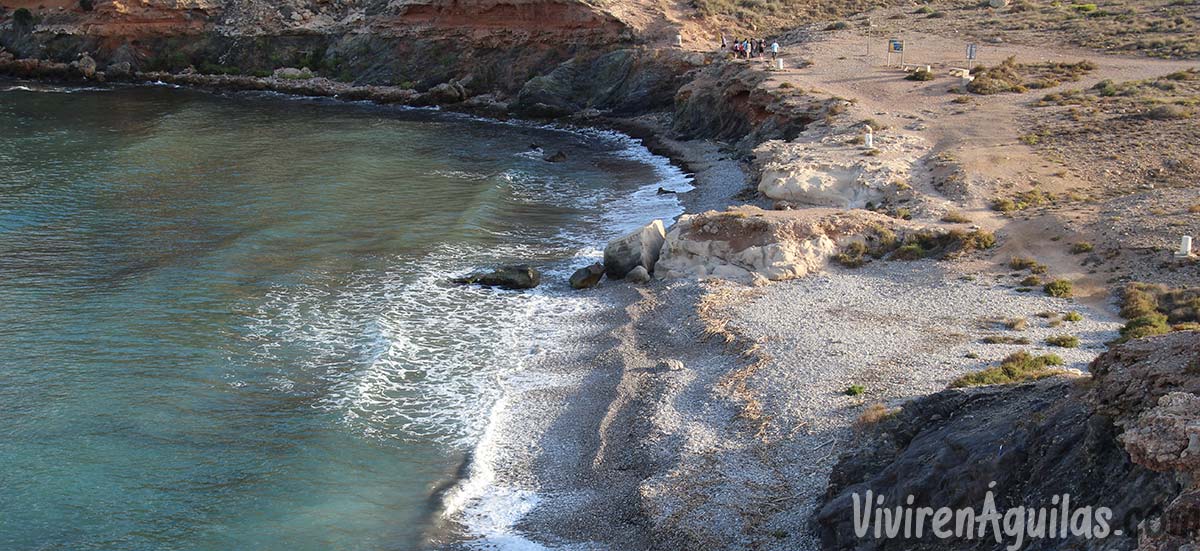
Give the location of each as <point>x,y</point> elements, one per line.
<point>1126,438</point>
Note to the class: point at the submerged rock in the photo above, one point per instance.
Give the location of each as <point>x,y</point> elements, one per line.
<point>587,277</point>
<point>506,277</point>
<point>638,248</point>
<point>557,157</point>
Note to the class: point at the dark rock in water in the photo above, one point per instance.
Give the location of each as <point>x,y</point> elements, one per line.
<point>663,191</point>
<point>558,157</point>
<point>506,277</point>
<point>534,146</point>
<point>587,277</point>
<point>1101,441</point>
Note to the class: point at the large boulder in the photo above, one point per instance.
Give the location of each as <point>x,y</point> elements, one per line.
<point>85,66</point>
<point>747,243</point>
<point>828,174</point>
<point>638,248</point>
<point>587,277</point>
<point>506,277</point>
<point>119,70</point>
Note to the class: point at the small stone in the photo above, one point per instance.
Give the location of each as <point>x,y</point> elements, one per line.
<point>638,275</point>
<point>669,364</point>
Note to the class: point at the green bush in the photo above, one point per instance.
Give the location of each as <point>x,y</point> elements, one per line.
<point>855,390</point>
<point>1082,247</point>
<point>1060,288</point>
<point>1145,326</point>
<point>852,255</point>
<point>955,217</point>
<point>1004,339</point>
<point>1073,317</point>
<point>1031,281</point>
<point>910,251</point>
<point>1019,367</point>
<point>920,75</point>
<point>1004,204</point>
<point>1063,341</point>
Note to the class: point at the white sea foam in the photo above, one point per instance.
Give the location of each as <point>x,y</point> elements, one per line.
<point>490,508</point>
<point>404,356</point>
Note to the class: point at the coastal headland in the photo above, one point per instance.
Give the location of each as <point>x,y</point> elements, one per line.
<point>914,269</point>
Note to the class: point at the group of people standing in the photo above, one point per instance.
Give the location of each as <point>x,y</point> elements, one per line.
<point>749,47</point>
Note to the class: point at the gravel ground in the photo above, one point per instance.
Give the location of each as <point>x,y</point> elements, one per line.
<point>898,329</point>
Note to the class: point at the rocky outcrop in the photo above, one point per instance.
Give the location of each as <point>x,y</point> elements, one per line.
<point>493,44</point>
<point>832,173</point>
<point>505,277</point>
<point>1132,378</point>
<point>745,243</point>
<point>640,247</point>
<point>621,82</point>
<point>1126,439</point>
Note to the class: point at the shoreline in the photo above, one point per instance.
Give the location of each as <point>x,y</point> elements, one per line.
<point>705,164</point>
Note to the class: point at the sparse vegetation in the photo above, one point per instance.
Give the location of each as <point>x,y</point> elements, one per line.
<point>920,75</point>
<point>1061,288</point>
<point>1082,247</point>
<point>1019,367</point>
<point>1004,339</point>
<point>1012,77</point>
<point>876,413</point>
<point>855,390</point>
<point>1016,324</point>
<point>1178,304</point>
<point>1063,341</point>
<point>1031,281</point>
<point>1021,263</point>
<point>852,255</point>
<point>1073,317</point>
<point>955,217</point>
<point>1145,326</point>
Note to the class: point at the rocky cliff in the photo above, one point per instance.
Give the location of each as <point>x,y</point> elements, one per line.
<point>1126,438</point>
<point>497,44</point>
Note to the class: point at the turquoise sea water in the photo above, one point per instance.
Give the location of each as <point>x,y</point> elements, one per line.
<point>224,322</point>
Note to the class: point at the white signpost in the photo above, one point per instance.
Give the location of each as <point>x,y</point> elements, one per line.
<point>972,51</point>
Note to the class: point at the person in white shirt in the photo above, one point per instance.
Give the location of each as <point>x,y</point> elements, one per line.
<point>774,50</point>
